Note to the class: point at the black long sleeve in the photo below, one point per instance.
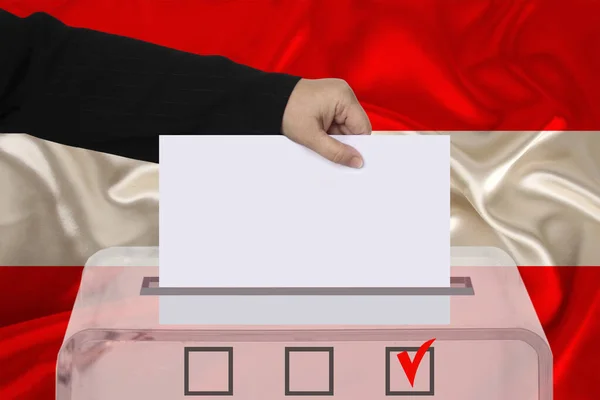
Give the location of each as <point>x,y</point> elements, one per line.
<point>113,94</point>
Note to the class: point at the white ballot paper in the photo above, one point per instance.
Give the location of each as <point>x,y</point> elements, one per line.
<point>263,211</point>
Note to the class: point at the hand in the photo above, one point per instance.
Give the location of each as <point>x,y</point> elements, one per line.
<point>320,107</point>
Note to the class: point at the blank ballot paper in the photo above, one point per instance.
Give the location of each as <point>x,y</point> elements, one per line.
<point>263,211</point>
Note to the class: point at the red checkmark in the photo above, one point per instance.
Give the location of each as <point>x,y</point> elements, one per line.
<point>410,367</point>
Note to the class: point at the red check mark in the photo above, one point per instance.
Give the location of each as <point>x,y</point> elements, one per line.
<point>410,367</point>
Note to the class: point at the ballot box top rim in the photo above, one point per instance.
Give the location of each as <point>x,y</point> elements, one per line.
<point>483,256</point>
<point>114,279</point>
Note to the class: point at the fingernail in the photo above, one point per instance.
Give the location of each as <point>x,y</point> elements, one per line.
<point>356,162</point>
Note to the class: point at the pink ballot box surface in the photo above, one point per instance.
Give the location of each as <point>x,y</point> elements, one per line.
<point>115,348</point>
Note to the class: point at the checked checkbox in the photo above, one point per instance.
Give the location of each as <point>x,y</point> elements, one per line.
<point>410,370</point>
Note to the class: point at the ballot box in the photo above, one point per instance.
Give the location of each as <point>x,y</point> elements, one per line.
<point>493,348</point>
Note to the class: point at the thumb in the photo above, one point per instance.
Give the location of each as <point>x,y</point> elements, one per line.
<point>335,151</point>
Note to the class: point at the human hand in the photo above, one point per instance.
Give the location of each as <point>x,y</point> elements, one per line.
<point>320,107</point>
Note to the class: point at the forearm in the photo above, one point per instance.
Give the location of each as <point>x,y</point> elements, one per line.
<point>114,94</point>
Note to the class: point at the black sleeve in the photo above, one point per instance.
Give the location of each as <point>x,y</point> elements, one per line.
<point>113,94</point>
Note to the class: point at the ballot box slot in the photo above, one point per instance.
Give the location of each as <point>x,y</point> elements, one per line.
<point>459,286</point>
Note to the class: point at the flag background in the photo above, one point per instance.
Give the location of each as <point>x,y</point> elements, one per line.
<point>474,65</point>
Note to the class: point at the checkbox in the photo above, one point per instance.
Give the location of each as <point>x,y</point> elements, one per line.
<point>208,371</point>
<point>396,380</point>
<point>309,371</point>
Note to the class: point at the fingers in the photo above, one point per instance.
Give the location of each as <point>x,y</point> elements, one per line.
<point>351,118</point>
<point>357,122</point>
<point>318,106</point>
<point>336,129</point>
<point>335,151</point>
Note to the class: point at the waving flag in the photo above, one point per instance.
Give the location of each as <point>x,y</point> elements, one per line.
<point>478,66</point>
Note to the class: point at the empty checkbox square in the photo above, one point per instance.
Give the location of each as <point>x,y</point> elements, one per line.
<point>208,371</point>
<point>309,371</point>
<point>397,381</point>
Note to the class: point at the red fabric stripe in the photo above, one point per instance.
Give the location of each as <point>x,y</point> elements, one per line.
<point>567,300</point>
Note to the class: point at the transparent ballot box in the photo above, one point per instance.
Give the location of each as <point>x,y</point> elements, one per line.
<point>493,346</point>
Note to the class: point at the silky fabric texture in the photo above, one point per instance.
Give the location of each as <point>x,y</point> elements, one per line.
<point>473,65</point>
<point>534,194</point>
